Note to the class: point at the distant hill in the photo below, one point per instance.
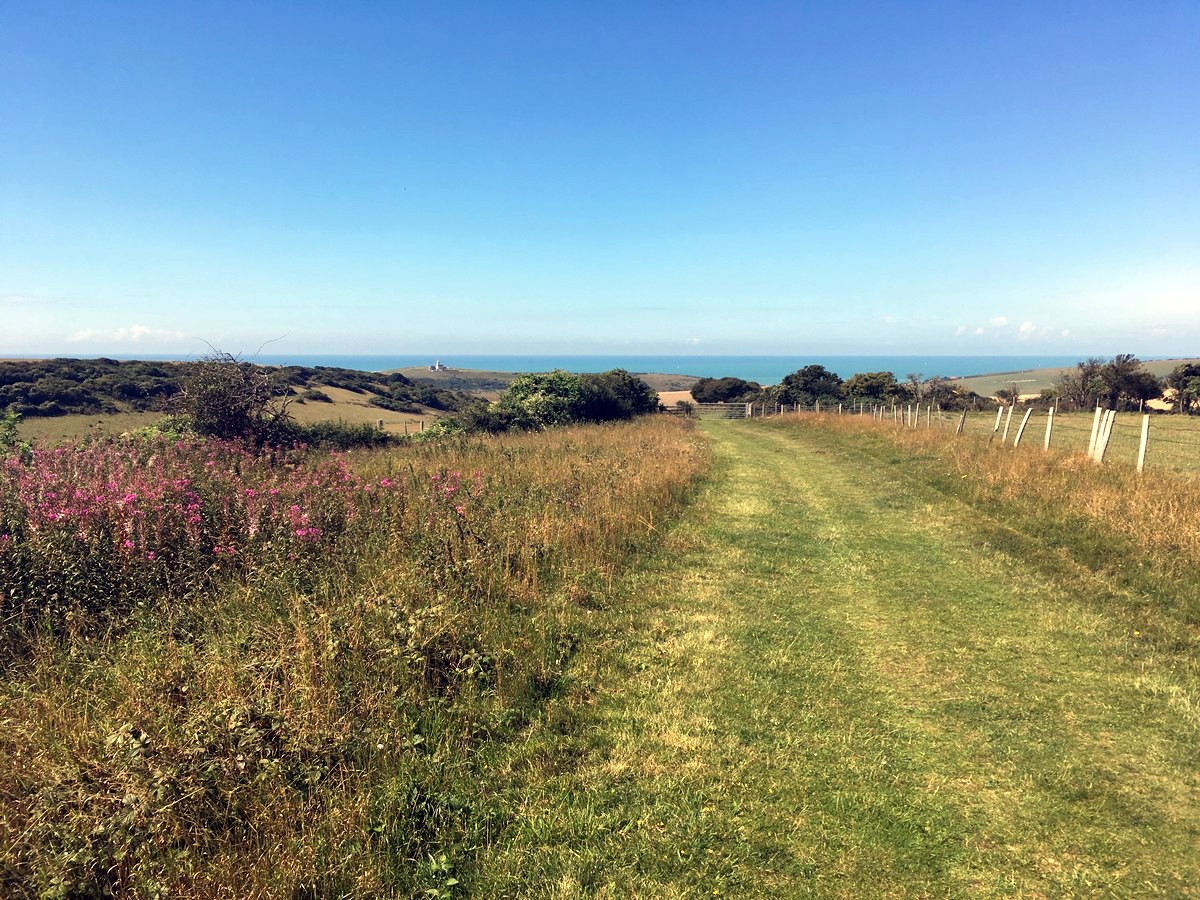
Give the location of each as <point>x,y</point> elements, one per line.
<point>59,387</point>
<point>1034,381</point>
<point>480,382</point>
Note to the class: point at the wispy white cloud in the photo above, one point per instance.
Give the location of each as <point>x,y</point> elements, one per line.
<point>133,334</point>
<point>998,321</point>
<point>979,330</point>
<point>960,331</point>
<point>1026,330</point>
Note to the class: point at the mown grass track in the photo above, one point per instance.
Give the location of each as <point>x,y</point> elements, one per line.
<point>843,681</point>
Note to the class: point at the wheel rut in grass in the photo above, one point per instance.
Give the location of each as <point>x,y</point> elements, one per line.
<point>827,688</point>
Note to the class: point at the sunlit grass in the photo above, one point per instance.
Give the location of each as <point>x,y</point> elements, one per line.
<point>848,676</point>
<point>322,733</point>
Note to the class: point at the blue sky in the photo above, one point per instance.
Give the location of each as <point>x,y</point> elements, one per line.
<point>594,178</point>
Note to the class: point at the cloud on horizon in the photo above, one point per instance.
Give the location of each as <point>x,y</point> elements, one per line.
<point>133,334</point>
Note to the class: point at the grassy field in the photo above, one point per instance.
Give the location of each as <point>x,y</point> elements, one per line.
<point>353,408</point>
<point>1034,381</point>
<point>52,429</point>
<point>866,661</point>
<point>1174,440</point>
<point>308,708</point>
<point>855,672</point>
<point>347,406</point>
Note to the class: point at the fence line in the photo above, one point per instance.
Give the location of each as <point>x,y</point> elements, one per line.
<point>1161,441</point>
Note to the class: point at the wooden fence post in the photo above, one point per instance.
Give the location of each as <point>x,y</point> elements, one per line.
<point>1095,431</point>
<point>962,420</point>
<point>1024,422</point>
<point>1106,429</point>
<point>1049,427</point>
<point>1007,422</point>
<point>996,427</point>
<point>1141,463</point>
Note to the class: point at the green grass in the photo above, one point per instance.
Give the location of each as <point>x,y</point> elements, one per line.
<point>844,679</point>
<point>858,665</point>
<point>1174,441</point>
<point>316,723</point>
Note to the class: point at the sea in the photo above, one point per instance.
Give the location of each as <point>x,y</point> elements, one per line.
<point>762,369</point>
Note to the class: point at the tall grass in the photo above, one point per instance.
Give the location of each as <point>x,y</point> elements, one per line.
<point>314,720</point>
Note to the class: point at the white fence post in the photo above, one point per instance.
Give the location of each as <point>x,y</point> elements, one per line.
<point>1102,439</point>
<point>1007,422</point>
<point>1049,427</point>
<point>1141,463</point>
<point>1000,412</point>
<point>1024,422</point>
<point>1095,431</point>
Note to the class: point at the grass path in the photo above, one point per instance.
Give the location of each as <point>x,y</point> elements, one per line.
<point>832,686</point>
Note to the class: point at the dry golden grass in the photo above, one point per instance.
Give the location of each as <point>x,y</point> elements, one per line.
<point>670,398</point>
<point>347,407</point>
<point>312,734</point>
<point>353,408</point>
<point>53,429</point>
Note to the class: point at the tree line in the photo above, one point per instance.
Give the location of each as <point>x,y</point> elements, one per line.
<point>1119,383</point>
<point>817,384</point>
<point>1123,383</point>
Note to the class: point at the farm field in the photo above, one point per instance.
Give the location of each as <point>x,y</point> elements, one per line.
<point>1034,381</point>
<point>353,408</point>
<point>1173,441</point>
<point>347,406</point>
<point>51,429</point>
<point>856,673</point>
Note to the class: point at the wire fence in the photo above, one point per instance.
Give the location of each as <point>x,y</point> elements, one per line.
<point>1147,441</point>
